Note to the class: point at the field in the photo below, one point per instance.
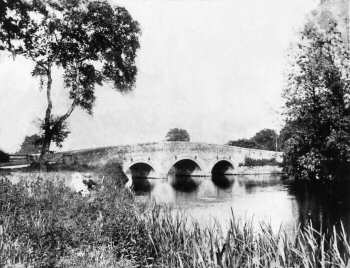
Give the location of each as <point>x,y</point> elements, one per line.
<point>44,222</point>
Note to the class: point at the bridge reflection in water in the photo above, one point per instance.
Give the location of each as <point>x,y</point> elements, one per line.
<point>141,177</point>
<point>210,199</point>
<point>184,175</point>
<point>182,183</point>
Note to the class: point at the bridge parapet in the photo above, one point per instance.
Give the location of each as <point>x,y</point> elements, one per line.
<point>163,155</point>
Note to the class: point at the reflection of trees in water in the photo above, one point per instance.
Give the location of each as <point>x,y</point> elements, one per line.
<point>325,205</point>
<point>252,183</point>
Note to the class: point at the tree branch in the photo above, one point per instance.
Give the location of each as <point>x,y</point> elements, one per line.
<point>68,113</point>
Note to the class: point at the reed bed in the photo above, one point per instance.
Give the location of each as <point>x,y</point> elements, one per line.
<point>46,224</point>
<point>181,245</point>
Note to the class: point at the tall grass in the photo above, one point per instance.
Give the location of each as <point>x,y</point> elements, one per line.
<point>181,245</point>
<point>45,224</point>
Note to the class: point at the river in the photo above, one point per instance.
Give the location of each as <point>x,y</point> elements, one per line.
<point>253,198</point>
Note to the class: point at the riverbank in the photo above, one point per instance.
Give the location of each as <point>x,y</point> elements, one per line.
<point>46,224</point>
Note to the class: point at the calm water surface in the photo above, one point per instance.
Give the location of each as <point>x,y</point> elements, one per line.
<point>256,198</point>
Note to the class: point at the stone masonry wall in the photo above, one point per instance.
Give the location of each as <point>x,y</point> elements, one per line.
<point>162,156</point>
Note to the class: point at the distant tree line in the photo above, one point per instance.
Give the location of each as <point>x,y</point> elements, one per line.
<point>266,139</point>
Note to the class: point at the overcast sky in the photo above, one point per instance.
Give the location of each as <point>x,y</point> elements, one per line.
<point>213,67</point>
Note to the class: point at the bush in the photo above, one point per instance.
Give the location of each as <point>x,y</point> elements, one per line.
<point>4,157</point>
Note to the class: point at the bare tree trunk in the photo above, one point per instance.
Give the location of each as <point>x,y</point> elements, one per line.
<point>48,126</point>
<point>45,147</point>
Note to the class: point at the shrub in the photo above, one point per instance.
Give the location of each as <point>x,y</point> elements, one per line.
<point>4,157</point>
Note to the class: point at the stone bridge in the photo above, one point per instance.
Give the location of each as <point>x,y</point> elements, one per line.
<point>158,160</point>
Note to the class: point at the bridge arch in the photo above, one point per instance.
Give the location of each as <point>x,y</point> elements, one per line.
<point>140,169</point>
<point>221,172</point>
<point>185,167</point>
<point>222,167</point>
<point>139,174</point>
<point>182,174</point>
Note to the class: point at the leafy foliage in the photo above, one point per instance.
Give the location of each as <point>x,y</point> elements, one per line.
<point>317,105</point>
<point>14,19</point>
<point>177,134</point>
<point>285,134</point>
<point>266,139</point>
<point>54,129</point>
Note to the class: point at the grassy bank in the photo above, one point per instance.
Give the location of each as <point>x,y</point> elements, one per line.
<point>43,223</point>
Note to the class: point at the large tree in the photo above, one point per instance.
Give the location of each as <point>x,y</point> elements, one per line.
<point>317,104</point>
<point>177,134</point>
<point>266,139</point>
<point>92,42</point>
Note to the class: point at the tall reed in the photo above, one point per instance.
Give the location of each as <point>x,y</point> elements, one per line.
<point>179,244</point>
